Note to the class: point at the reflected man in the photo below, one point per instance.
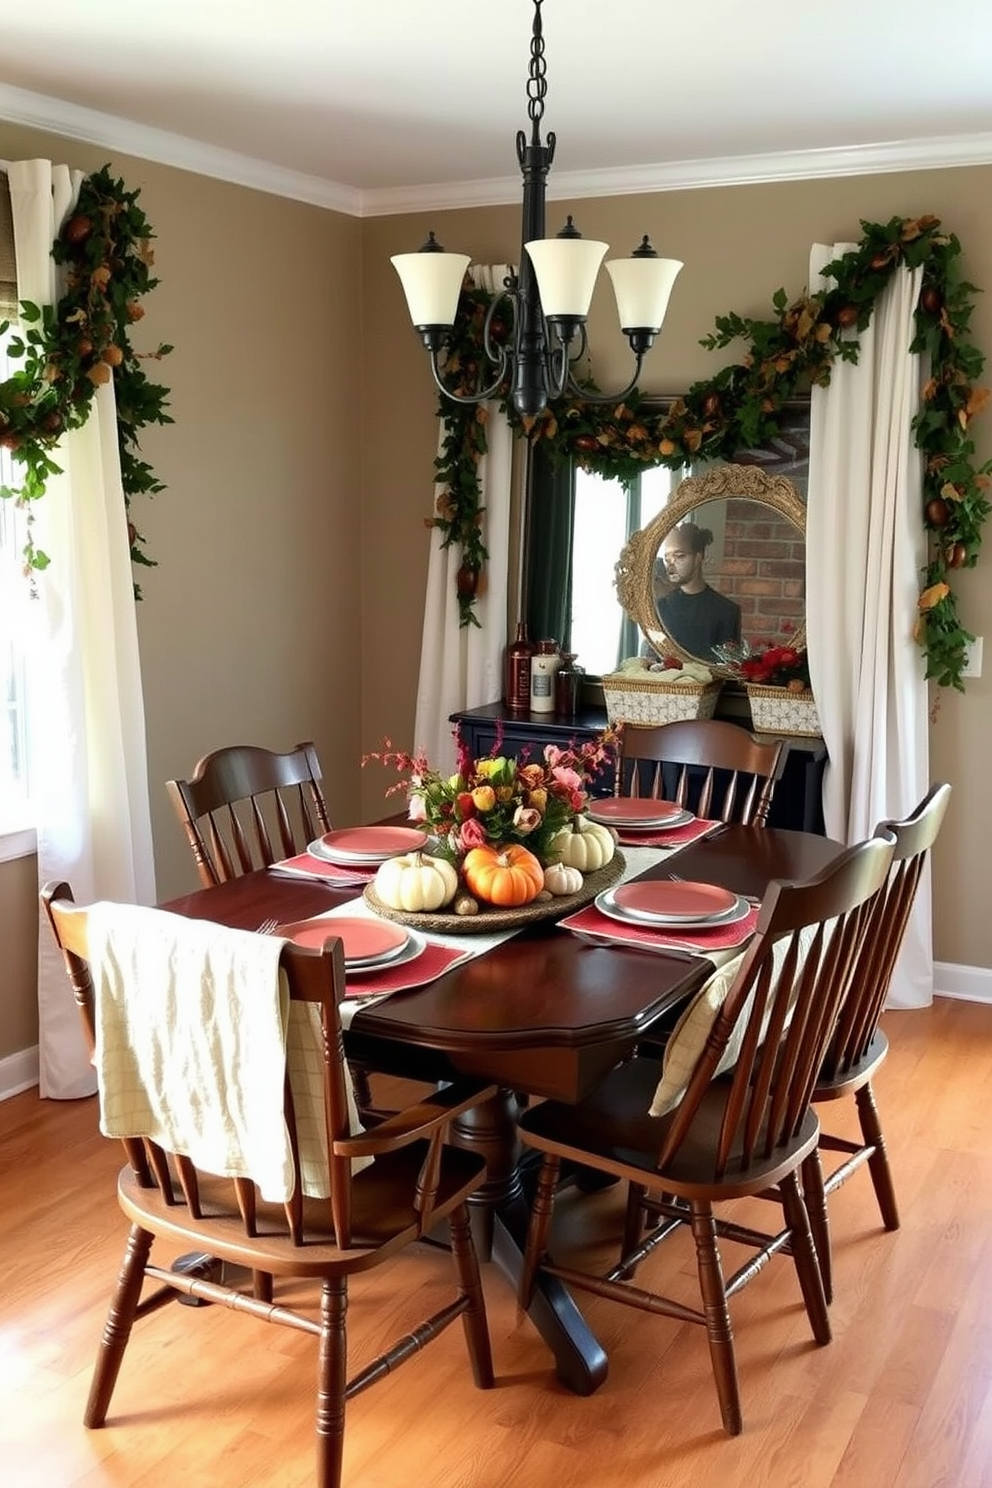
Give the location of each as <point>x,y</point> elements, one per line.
<point>694,615</point>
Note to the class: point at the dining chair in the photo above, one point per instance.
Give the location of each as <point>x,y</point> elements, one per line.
<point>728,1115</point>
<point>716,768</point>
<point>858,1045</point>
<point>245,807</point>
<point>309,1196</point>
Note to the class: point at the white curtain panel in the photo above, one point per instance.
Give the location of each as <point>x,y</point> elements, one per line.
<point>462,666</point>
<point>87,763</point>
<point>866,551</point>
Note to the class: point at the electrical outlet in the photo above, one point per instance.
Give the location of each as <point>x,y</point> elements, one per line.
<point>973,660</point>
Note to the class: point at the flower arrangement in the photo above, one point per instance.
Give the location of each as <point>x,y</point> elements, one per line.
<point>498,800</point>
<point>774,666</point>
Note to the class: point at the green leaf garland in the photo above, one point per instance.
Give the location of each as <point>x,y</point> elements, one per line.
<point>743,405</point>
<point>70,349</point>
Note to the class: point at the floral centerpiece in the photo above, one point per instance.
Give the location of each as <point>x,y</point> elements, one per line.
<point>500,822</point>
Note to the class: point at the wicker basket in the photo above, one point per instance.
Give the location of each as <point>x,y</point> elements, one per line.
<point>634,699</point>
<point>776,710</point>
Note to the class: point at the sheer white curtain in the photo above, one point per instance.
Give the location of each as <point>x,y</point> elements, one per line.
<point>866,551</point>
<point>461,666</point>
<point>87,764</point>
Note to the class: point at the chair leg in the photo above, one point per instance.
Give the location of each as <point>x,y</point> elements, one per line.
<point>332,1379</point>
<point>361,1085</point>
<point>719,1330</point>
<point>805,1259</point>
<point>819,1218</point>
<point>261,1286</point>
<point>117,1328</point>
<point>633,1221</point>
<point>539,1227</point>
<point>878,1163</point>
<point>470,1286</point>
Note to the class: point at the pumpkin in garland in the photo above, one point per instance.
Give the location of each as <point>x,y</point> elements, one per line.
<point>506,876</point>
<point>416,882</point>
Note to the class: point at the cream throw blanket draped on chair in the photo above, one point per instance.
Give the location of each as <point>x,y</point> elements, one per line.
<point>194,1030</point>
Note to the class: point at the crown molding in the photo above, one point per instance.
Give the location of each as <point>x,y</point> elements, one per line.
<point>90,126</point>
<point>938,153</point>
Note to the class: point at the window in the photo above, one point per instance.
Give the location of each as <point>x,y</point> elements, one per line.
<point>605,516</point>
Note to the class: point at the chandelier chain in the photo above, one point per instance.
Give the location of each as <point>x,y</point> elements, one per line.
<point>537,80</point>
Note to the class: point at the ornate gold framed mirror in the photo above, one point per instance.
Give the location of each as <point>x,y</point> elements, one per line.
<point>725,561</point>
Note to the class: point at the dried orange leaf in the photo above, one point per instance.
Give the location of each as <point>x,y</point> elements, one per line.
<point>933,595</point>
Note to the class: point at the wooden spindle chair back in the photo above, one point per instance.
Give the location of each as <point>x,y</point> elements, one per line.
<point>858,1045</point>
<point>245,807</point>
<point>714,768</point>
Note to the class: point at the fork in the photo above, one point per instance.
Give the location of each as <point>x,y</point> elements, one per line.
<point>267,926</point>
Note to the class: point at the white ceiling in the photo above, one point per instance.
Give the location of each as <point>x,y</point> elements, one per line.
<point>376,106</point>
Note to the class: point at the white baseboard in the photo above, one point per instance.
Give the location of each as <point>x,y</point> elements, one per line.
<point>966,983</point>
<point>18,1072</point>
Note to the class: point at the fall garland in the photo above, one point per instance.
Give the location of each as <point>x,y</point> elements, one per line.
<point>743,405</point>
<point>70,349</point>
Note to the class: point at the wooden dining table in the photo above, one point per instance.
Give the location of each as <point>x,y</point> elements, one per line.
<point>541,1014</point>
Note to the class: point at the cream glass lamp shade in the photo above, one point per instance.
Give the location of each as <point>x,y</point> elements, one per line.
<point>566,270</point>
<point>432,283</point>
<point>642,287</point>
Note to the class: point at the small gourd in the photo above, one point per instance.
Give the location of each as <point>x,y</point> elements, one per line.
<point>416,882</point>
<point>586,845</point>
<point>508,876</point>
<point>560,878</point>
<point>465,905</point>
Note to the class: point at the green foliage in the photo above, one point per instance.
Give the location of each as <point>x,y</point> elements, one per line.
<point>744,403</point>
<point>70,349</point>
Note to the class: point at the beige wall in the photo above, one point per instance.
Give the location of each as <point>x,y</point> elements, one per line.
<point>291,543</point>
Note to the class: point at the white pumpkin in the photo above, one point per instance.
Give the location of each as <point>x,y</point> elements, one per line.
<point>586,845</point>
<point>559,878</point>
<point>416,882</point>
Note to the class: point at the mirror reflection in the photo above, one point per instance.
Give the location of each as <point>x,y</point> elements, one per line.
<point>725,561</point>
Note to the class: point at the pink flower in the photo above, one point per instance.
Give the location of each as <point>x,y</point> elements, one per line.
<point>571,780</point>
<point>471,834</point>
<point>525,819</point>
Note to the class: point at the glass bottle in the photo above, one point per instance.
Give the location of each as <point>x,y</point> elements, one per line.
<point>543,666</point>
<point>568,685</point>
<point>516,671</point>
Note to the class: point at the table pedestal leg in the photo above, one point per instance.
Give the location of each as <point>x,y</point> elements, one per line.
<point>500,1215</point>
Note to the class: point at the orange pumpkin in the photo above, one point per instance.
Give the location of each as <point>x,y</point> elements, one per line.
<point>505,876</point>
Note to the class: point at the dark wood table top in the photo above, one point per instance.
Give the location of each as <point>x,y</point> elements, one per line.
<point>544,1011</point>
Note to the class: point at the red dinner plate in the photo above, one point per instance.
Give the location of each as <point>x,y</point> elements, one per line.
<point>363,938</point>
<point>636,809</point>
<point>368,842</point>
<point>669,900</point>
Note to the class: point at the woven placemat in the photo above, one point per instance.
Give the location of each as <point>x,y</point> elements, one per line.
<point>490,921</point>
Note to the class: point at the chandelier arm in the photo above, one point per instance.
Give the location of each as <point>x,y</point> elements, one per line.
<point>481,394</point>
<point>495,350</point>
<point>590,397</point>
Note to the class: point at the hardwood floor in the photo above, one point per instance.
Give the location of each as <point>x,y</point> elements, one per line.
<point>902,1398</point>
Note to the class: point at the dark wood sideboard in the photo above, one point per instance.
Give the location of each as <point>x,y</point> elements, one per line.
<point>798,800</point>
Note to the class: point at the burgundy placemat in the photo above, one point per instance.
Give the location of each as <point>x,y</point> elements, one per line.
<point>305,865</point>
<point>434,962</point>
<point>590,921</point>
<point>673,837</point>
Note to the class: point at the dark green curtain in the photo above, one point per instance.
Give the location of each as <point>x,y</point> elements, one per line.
<point>551,507</point>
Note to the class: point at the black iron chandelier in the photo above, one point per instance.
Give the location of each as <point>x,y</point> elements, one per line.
<point>549,296</point>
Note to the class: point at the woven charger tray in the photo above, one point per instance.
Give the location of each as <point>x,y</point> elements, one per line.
<point>490,921</point>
